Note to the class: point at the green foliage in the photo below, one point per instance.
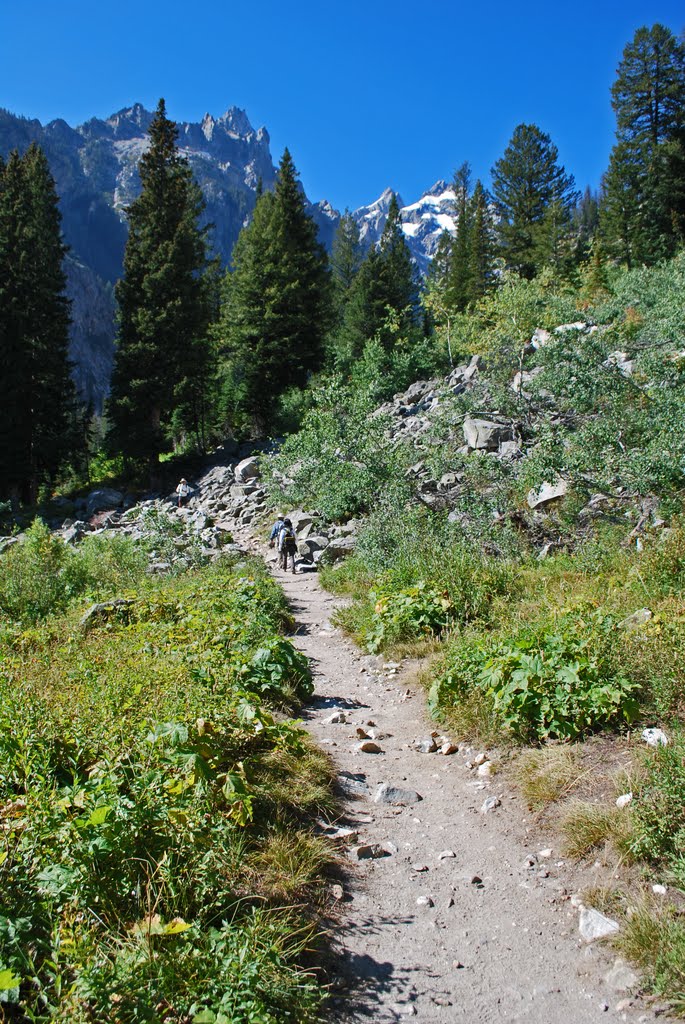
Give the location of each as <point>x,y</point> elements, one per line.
<point>414,613</point>
<point>37,412</point>
<point>659,805</point>
<point>560,681</point>
<point>337,462</point>
<point>161,367</point>
<point>276,305</point>
<point>144,785</point>
<point>43,575</point>
<point>561,684</point>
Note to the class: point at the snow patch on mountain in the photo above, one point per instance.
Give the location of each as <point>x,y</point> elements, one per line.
<point>423,222</point>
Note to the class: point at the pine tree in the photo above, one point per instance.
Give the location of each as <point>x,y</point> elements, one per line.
<point>481,245</point>
<point>384,286</point>
<point>346,259</point>
<point>276,305</point>
<point>458,292</point>
<point>163,298</point>
<point>643,202</point>
<point>39,401</point>
<point>534,197</point>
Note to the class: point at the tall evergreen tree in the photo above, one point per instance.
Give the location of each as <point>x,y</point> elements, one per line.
<point>481,245</point>
<point>534,197</point>
<point>458,280</point>
<point>164,301</point>
<point>643,203</point>
<point>276,306</point>
<point>385,284</point>
<point>346,259</point>
<point>39,400</point>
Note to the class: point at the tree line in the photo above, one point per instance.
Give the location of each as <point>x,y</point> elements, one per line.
<point>201,355</point>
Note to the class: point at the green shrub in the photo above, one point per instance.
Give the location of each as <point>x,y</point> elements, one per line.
<point>560,684</point>
<point>659,804</point>
<point>416,612</point>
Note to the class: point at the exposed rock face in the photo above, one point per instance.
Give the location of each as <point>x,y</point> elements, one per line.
<point>95,167</point>
<point>423,222</point>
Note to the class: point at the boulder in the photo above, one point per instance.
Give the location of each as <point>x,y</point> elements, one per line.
<point>484,435</point>
<point>310,545</point>
<point>540,337</point>
<point>299,519</point>
<point>103,500</point>
<point>547,492</point>
<point>387,794</point>
<point>106,611</point>
<point>248,469</point>
<point>340,547</point>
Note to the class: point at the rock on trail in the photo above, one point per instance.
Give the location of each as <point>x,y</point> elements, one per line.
<point>446,914</point>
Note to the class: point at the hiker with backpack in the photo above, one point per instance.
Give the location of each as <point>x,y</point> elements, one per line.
<point>276,530</point>
<point>287,545</point>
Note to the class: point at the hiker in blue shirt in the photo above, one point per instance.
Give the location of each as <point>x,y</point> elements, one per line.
<point>276,530</point>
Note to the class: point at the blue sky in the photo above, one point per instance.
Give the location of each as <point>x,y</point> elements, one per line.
<point>365,94</point>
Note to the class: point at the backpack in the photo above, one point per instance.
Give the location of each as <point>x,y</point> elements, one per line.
<point>288,541</point>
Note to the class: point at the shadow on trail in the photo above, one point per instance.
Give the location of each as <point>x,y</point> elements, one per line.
<point>359,982</point>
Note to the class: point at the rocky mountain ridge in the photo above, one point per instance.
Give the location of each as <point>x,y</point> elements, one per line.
<point>95,170</point>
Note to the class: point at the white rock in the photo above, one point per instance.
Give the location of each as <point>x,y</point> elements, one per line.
<point>546,852</point>
<point>659,890</point>
<point>624,800</point>
<point>490,804</point>
<point>486,769</point>
<point>549,491</point>
<point>593,925</point>
<point>446,854</point>
<point>655,737</point>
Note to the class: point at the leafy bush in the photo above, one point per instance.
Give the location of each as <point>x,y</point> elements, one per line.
<point>561,684</point>
<point>338,462</point>
<point>659,804</point>
<point>43,575</point>
<point>418,611</point>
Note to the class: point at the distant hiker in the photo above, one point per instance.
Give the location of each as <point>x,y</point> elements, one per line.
<point>275,530</point>
<point>287,545</point>
<point>183,490</point>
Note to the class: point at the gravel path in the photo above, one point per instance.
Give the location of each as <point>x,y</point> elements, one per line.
<point>462,919</point>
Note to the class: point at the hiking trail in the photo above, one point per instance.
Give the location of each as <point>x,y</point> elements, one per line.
<point>463,917</point>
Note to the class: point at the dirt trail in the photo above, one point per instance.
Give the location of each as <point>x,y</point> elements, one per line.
<point>479,935</point>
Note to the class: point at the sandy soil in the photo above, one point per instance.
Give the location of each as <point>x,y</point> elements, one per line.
<point>484,933</point>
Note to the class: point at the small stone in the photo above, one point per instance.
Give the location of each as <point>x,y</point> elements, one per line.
<point>388,794</point>
<point>446,854</point>
<point>621,978</point>
<point>480,758</point>
<point>624,800</point>
<point>450,902</point>
<point>424,901</point>
<point>337,718</point>
<point>369,747</point>
<point>419,867</point>
<point>623,1005</point>
<point>448,748</point>
<point>370,851</point>
<point>486,769</point>
<point>428,746</point>
<point>362,734</point>
<point>458,965</point>
<point>593,925</point>
<point>337,892</point>
<point>490,804</point>
<point>476,880</point>
<point>659,890</point>
<point>655,737</point>
<point>546,852</point>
